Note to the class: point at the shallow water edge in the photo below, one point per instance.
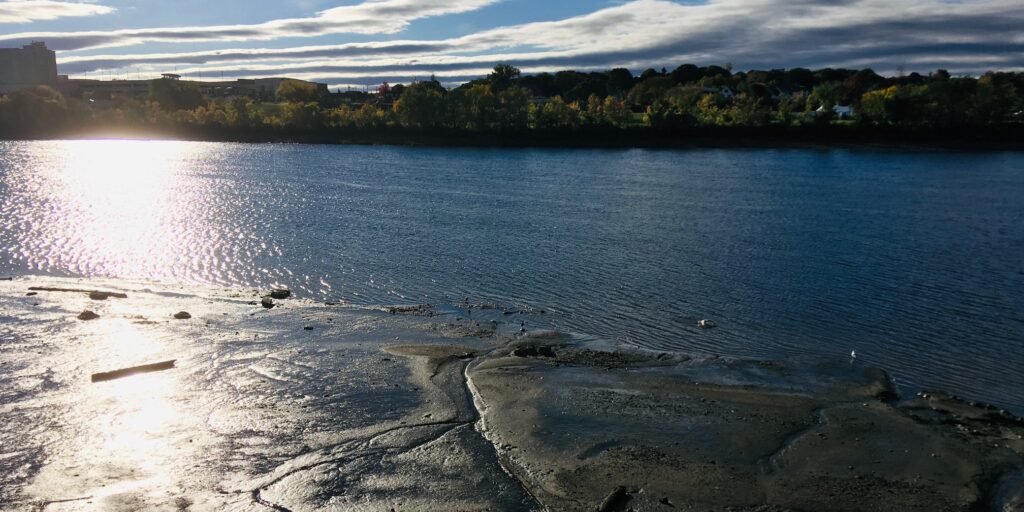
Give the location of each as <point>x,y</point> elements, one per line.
<point>805,137</point>
<point>307,405</point>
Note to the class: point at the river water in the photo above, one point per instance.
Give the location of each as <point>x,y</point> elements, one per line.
<point>915,260</point>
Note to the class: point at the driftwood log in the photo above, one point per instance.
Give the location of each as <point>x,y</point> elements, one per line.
<point>93,294</point>
<point>134,370</point>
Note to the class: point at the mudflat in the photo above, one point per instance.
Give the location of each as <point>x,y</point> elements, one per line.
<point>313,406</point>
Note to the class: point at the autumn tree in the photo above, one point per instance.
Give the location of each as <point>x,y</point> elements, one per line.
<point>297,91</point>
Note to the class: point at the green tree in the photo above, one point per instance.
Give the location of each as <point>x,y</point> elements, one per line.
<point>992,102</point>
<point>616,113</point>
<point>748,111</point>
<point>707,112</point>
<point>503,76</point>
<point>554,114</point>
<point>620,81</point>
<point>339,117</point>
<point>514,108</point>
<point>303,116</point>
<point>789,110</point>
<point>662,114</point>
<point>825,96</point>
<point>245,113</point>
<point>649,90</point>
<point>593,112</point>
<point>297,91</point>
<point>684,98</point>
<point>35,109</point>
<point>368,116</point>
<point>173,95</point>
<point>885,106</point>
<point>480,107</point>
<point>686,74</point>
<point>421,105</point>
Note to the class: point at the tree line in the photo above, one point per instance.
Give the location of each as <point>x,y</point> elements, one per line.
<point>686,99</point>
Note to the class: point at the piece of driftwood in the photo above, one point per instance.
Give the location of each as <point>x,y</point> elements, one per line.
<point>93,294</point>
<point>134,370</point>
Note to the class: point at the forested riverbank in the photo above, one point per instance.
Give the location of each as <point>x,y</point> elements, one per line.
<point>689,106</point>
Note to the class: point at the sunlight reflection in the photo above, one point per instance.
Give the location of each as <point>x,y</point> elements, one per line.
<point>138,416</point>
<point>122,205</point>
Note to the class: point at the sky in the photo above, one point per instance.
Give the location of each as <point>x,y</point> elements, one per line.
<point>359,42</point>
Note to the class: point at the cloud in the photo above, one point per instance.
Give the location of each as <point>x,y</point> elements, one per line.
<point>368,17</point>
<point>965,36</point>
<point>25,11</point>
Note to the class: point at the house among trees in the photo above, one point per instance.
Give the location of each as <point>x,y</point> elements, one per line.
<point>840,111</point>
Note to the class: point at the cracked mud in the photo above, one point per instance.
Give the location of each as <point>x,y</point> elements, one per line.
<point>449,408</point>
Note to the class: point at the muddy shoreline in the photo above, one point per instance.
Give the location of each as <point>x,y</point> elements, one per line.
<point>310,406</point>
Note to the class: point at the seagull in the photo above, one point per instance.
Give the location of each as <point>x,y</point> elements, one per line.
<point>853,354</point>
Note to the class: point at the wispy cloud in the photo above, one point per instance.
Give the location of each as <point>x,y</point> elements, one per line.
<point>966,36</point>
<point>25,11</point>
<point>368,17</point>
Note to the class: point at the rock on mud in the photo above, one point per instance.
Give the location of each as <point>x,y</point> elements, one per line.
<point>87,315</point>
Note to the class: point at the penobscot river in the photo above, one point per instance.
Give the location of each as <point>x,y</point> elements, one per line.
<point>915,260</point>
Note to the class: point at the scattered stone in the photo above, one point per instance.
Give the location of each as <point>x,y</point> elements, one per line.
<point>417,309</point>
<point>31,294</point>
<point>308,328</point>
<point>280,293</point>
<point>182,315</point>
<point>534,351</point>
<point>134,370</point>
<point>267,302</point>
<point>87,315</point>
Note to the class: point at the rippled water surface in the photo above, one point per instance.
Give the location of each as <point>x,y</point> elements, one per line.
<point>914,260</point>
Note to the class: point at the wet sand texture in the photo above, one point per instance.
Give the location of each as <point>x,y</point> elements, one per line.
<point>417,407</point>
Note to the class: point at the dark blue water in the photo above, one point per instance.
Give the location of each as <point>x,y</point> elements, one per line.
<point>914,260</point>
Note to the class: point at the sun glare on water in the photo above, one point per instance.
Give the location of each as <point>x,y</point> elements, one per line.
<point>123,195</point>
<point>114,207</point>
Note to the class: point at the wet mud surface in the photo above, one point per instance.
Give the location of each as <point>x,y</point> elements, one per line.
<point>309,406</point>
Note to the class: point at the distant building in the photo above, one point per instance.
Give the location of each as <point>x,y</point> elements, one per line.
<point>28,66</point>
<point>841,111</point>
